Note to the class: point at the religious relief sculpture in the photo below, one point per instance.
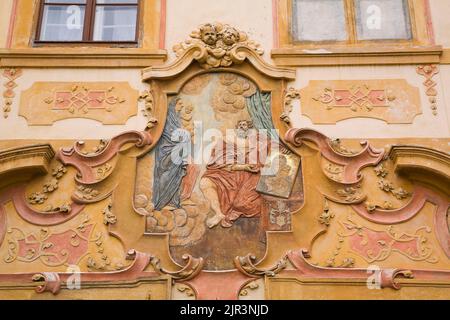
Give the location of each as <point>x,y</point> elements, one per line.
<point>219,171</point>
<point>219,44</point>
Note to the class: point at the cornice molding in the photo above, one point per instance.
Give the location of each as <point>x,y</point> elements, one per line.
<point>422,164</point>
<point>53,282</point>
<point>44,150</point>
<point>184,61</point>
<point>81,57</point>
<point>295,56</point>
<point>393,278</point>
<point>33,159</point>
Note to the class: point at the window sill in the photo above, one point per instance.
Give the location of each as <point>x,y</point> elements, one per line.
<point>104,44</point>
<point>368,55</point>
<point>81,57</point>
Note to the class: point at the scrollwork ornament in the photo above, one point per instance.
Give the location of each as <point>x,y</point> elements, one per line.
<point>290,95</point>
<point>350,194</point>
<point>11,75</point>
<point>51,249</point>
<point>337,146</point>
<point>147,97</point>
<point>326,215</point>
<point>251,286</point>
<point>108,216</point>
<point>186,290</point>
<point>246,265</point>
<point>191,269</point>
<point>47,282</point>
<point>50,186</point>
<point>429,71</point>
<point>387,186</point>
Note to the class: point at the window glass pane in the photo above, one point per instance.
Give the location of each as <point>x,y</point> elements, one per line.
<point>62,23</point>
<point>114,23</point>
<point>382,19</point>
<point>66,1</point>
<point>319,20</point>
<point>117,1</point>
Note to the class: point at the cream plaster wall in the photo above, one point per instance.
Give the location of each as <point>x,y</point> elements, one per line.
<point>440,10</point>
<point>424,125</point>
<point>444,79</point>
<point>5,14</point>
<point>253,17</point>
<point>15,127</point>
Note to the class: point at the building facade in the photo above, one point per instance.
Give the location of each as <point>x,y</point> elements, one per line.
<point>257,149</point>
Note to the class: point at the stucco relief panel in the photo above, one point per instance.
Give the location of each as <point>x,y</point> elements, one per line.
<point>11,75</point>
<point>328,102</point>
<point>108,102</point>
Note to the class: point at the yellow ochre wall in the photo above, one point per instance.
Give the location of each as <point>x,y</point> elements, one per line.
<point>31,132</point>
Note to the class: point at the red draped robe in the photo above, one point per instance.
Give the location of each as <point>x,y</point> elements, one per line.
<point>237,189</point>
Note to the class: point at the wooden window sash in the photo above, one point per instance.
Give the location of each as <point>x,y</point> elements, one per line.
<point>89,21</point>
<point>350,20</point>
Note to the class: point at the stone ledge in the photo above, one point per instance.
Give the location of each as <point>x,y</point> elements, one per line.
<point>27,160</point>
<point>314,56</point>
<point>81,58</point>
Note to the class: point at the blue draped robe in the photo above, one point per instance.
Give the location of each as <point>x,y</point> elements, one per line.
<point>170,161</point>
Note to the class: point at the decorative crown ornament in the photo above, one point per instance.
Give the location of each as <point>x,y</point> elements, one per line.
<point>219,45</point>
